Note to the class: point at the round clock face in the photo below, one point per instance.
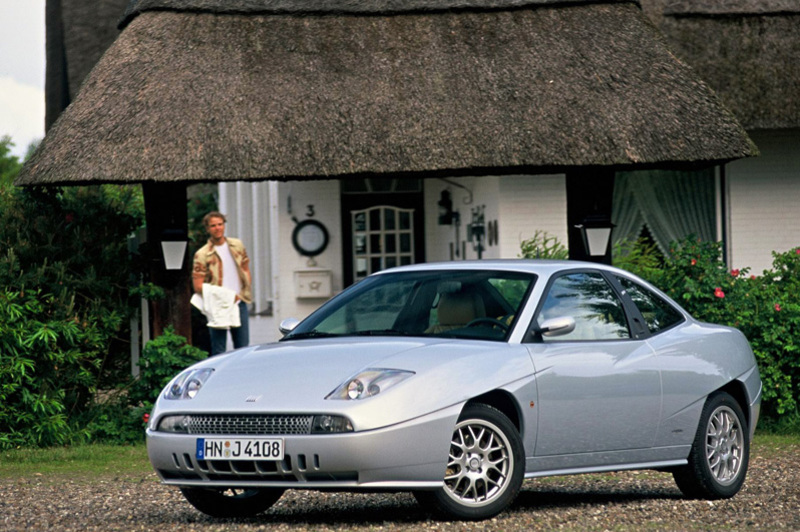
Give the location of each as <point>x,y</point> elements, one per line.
<point>310,238</point>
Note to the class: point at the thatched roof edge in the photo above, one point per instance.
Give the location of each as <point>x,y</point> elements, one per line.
<point>338,7</point>
<point>731,8</point>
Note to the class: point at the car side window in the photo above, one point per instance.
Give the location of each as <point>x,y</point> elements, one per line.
<point>657,313</point>
<point>591,301</point>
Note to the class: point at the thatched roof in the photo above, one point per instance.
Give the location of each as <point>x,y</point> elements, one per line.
<point>78,32</point>
<point>747,50</point>
<point>196,95</point>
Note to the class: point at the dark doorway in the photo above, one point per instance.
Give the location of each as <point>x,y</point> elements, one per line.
<point>382,225</point>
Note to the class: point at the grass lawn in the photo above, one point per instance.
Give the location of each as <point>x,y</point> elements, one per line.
<point>101,460</point>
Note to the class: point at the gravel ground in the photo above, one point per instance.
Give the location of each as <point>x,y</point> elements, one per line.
<point>643,500</point>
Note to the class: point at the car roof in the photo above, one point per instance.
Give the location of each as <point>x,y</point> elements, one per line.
<point>541,267</point>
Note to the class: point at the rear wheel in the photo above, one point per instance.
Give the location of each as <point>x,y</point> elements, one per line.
<point>720,453</point>
<point>485,467</point>
<point>232,502</point>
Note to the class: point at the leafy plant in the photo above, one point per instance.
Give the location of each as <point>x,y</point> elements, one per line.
<point>543,246</point>
<point>640,257</point>
<point>121,418</point>
<point>65,270</point>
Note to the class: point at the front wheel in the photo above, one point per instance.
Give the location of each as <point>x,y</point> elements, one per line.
<point>232,502</point>
<point>720,453</point>
<point>485,467</point>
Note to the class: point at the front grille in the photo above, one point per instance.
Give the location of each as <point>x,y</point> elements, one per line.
<point>249,424</point>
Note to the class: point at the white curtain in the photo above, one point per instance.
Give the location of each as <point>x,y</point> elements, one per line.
<point>672,204</point>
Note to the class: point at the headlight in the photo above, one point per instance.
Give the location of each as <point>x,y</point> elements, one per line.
<point>369,383</point>
<point>187,384</point>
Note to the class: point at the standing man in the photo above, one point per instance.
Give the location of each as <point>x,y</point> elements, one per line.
<point>223,262</point>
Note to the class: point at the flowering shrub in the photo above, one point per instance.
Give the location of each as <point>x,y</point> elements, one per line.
<point>765,308</point>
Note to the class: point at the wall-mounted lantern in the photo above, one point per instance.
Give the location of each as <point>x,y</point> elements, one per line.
<point>173,248</point>
<point>446,214</point>
<point>596,234</point>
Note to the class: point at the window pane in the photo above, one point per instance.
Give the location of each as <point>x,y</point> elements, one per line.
<point>375,220</point>
<point>388,216</point>
<point>405,243</point>
<point>375,243</point>
<point>405,220</point>
<point>657,313</point>
<point>391,243</point>
<point>361,244</point>
<point>360,221</point>
<point>361,268</point>
<point>591,302</point>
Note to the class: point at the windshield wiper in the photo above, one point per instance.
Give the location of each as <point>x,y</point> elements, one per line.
<point>384,332</point>
<point>309,334</point>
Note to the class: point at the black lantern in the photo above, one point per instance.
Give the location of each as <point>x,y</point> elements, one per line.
<point>596,234</point>
<point>445,208</point>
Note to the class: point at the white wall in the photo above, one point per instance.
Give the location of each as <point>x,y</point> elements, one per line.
<point>530,203</point>
<point>467,194</point>
<point>325,198</point>
<point>519,204</point>
<point>764,200</point>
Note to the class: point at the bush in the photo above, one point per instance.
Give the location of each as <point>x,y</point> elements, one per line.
<point>121,419</point>
<point>65,273</point>
<point>765,308</point>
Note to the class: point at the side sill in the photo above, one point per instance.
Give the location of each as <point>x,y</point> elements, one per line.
<point>606,469</point>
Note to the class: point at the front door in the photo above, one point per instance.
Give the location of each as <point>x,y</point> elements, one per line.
<point>382,225</point>
<point>599,387</point>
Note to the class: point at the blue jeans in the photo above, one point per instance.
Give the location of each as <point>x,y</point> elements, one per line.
<point>239,335</point>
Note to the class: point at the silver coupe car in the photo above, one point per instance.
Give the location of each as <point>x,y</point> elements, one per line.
<point>457,381</point>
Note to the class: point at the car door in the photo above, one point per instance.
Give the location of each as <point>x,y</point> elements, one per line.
<point>599,387</point>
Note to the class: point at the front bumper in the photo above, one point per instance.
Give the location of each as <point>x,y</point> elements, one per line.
<point>409,455</point>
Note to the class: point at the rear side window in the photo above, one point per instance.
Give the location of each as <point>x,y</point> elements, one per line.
<point>591,302</point>
<point>657,313</point>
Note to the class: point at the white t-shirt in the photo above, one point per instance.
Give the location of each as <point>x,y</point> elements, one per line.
<point>230,273</point>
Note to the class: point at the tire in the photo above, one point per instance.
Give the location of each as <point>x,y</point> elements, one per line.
<point>232,502</point>
<point>720,453</point>
<point>485,467</point>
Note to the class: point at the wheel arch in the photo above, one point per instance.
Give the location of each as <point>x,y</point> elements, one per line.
<point>502,401</point>
<point>737,390</point>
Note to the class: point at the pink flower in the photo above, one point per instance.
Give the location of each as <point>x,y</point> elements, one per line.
<point>797,251</point>
<point>735,272</point>
<point>777,307</point>
<point>719,293</point>
<point>753,277</point>
<point>694,262</point>
<point>146,418</point>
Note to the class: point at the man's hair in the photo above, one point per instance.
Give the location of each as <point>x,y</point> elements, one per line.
<point>213,214</point>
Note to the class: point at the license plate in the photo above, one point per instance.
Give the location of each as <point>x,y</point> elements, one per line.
<point>239,449</point>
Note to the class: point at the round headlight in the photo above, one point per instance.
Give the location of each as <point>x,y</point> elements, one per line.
<point>355,389</point>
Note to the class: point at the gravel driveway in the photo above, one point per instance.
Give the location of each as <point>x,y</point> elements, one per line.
<point>647,500</point>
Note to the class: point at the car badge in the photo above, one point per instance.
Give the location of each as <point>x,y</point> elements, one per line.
<point>252,398</point>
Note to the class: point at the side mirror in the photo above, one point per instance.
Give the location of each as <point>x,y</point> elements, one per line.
<point>288,325</point>
<point>557,326</point>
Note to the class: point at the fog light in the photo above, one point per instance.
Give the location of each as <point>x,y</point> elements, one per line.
<point>331,425</point>
<point>178,424</point>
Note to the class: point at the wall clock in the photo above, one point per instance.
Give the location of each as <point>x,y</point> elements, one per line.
<point>310,238</point>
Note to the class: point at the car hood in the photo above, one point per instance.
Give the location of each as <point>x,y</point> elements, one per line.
<point>296,376</point>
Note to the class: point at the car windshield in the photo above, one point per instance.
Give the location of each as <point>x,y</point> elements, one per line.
<point>448,303</point>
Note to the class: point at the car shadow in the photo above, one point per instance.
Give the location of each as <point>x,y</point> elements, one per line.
<point>544,498</point>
